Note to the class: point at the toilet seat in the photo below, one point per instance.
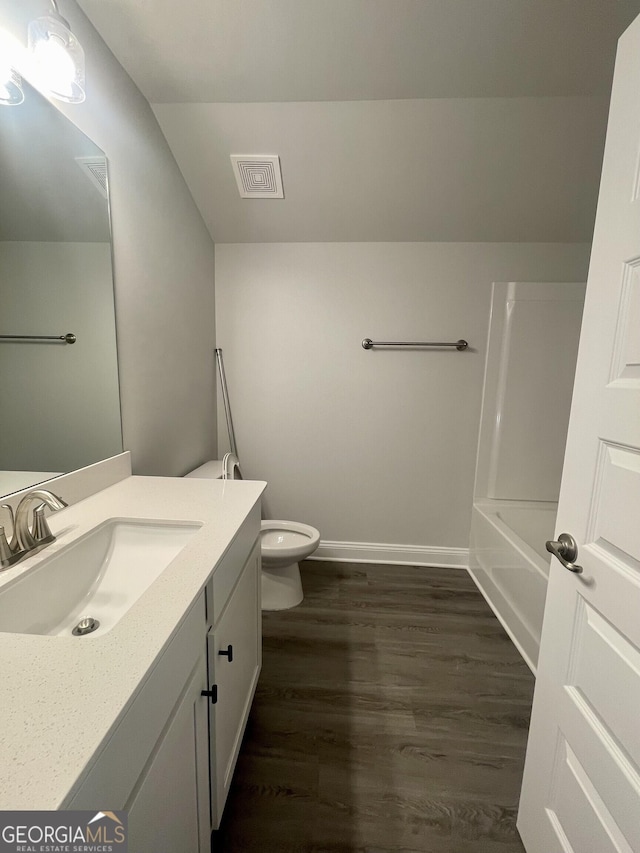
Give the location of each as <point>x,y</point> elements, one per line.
<point>284,542</point>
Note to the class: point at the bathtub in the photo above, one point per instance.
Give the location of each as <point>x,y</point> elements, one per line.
<point>510,565</point>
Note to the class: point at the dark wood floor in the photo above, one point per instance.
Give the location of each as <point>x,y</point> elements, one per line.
<point>391,715</point>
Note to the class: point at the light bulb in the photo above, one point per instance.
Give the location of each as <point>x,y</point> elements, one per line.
<point>52,58</point>
<point>58,58</point>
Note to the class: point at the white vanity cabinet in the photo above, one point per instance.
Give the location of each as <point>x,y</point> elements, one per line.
<point>234,654</point>
<point>155,764</point>
<point>169,808</point>
<point>170,759</point>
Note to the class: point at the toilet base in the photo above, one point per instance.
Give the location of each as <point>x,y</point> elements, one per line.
<point>281,588</point>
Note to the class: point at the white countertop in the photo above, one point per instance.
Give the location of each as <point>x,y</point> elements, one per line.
<point>60,698</point>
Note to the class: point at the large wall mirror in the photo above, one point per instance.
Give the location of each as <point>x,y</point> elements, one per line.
<point>59,401</point>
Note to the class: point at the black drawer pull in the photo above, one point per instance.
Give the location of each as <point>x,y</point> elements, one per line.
<point>213,693</point>
<point>228,653</point>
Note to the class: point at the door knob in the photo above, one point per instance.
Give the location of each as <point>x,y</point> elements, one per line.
<point>566,550</point>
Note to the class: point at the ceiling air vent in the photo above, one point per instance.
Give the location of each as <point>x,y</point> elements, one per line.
<point>95,168</point>
<point>258,175</point>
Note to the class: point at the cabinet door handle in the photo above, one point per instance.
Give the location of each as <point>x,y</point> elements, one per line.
<point>227,653</point>
<point>213,693</point>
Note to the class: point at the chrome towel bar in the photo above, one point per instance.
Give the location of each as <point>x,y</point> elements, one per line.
<point>460,345</point>
<point>69,338</point>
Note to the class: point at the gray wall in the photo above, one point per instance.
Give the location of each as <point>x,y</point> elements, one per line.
<point>163,260</point>
<point>378,446</point>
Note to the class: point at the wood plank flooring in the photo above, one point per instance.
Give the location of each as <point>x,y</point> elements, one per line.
<point>391,715</point>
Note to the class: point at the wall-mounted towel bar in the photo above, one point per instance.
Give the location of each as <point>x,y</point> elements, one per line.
<point>69,338</point>
<point>460,345</point>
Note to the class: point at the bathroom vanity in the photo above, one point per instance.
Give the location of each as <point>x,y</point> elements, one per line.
<point>149,715</point>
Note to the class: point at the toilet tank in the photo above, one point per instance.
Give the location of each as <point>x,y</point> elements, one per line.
<point>211,470</point>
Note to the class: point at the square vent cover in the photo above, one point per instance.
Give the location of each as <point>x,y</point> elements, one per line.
<point>258,175</point>
<point>95,168</point>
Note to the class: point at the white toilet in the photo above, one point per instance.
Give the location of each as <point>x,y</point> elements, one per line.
<point>282,544</point>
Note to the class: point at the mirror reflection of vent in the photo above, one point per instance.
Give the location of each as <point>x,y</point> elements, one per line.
<point>258,175</point>
<point>95,168</point>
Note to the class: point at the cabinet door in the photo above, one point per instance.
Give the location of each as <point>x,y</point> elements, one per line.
<point>239,631</point>
<point>169,808</point>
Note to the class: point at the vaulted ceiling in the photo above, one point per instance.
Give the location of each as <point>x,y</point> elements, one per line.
<point>206,51</point>
<point>445,120</point>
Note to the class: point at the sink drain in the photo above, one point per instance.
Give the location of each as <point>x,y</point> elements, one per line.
<point>85,626</point>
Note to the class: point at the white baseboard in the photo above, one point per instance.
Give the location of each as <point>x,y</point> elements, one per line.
<point>401,555</point>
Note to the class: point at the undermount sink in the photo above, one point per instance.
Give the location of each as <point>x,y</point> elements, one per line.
<point>98,577</point>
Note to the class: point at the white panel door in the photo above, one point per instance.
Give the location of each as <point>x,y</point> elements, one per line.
<point>581,789</point>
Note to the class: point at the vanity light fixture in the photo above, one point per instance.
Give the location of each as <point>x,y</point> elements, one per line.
<point>11,93</point>
<point>57,56</point>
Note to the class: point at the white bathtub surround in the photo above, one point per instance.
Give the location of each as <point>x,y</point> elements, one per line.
<point>532,522</point>
<point>80,688</point>
<point>371,446</point>
<point>531,357</point>
<point>531,361</point>
<point>510,566</point>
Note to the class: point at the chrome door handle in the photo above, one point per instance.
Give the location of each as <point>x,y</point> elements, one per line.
<point>566,550</point>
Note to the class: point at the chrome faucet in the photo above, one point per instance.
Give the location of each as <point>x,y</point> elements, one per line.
<point>26,540</point>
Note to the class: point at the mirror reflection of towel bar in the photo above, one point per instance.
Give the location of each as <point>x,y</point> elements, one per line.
<point>460,345</point>
<point>69,338</point>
